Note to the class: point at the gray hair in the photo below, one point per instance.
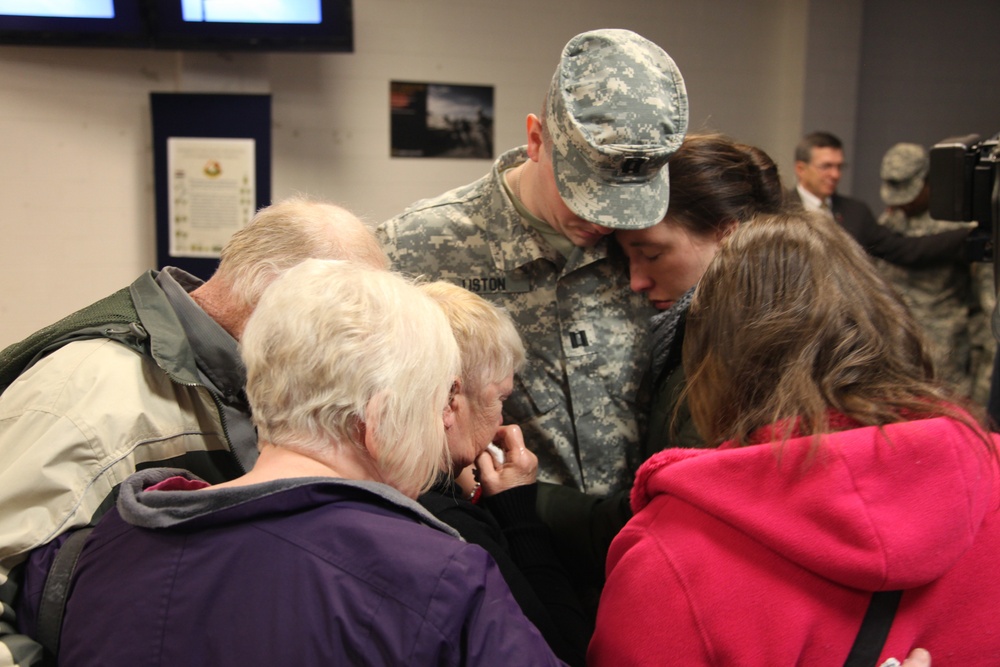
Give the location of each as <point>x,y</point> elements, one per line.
<point>284,234</point>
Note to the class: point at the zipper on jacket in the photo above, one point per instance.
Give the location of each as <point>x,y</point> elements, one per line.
<point>225,429</point>
<point>134,330</point>
<point>222,418</point>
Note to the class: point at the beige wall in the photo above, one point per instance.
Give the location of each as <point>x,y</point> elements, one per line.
<point>931,71</point>
<point>75,148</point>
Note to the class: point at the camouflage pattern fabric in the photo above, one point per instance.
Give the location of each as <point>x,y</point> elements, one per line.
<point>904,171</point>
<point>584,330</point>
<point>617,109</point>
<point>939,297</point>
<point>981,338</point>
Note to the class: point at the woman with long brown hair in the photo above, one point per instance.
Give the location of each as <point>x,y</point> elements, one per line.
<point>843,468</point>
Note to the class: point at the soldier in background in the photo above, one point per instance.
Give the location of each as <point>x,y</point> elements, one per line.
<point>981,339</point>
<point>947,300</point>
<point>819,166</point>
<point>531,236</point>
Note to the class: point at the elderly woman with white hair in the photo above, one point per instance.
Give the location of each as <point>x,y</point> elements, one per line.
<point>497,511</point>
<point>319,555</point>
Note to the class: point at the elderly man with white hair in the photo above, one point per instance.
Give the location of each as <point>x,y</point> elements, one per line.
<point>147,376</point>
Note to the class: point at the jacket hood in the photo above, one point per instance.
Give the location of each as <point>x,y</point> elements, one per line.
<point>209,506</point>
<point>873,509</point>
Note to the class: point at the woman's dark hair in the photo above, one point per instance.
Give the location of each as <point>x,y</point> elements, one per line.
<point>715,181</point>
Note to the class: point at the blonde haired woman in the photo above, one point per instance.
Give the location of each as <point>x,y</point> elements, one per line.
<point>498,512</point>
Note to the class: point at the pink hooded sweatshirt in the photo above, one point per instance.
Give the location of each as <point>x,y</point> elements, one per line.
<point>741,556</point>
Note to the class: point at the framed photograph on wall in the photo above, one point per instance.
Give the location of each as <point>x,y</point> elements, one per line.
<point>211,172</point>
<point>211,194</point>
<point>441,120</point>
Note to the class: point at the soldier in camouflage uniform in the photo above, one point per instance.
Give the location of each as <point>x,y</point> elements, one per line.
<point>942,298</point>
<point>531,236</point>
<point>981,337</point>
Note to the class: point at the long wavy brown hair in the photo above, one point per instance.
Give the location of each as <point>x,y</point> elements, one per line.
<point>791,325</point>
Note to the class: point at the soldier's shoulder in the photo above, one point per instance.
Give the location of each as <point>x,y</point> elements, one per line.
<point>458,206</point>
<point>893,219</point>
<point>440,238</point>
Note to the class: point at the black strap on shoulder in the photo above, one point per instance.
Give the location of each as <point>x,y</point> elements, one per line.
<point>874,629</point>
<point>56,590</point>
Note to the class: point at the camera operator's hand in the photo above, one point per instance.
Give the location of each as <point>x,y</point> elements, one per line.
<point>520,466</point>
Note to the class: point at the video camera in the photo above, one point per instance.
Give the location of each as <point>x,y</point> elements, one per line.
<point>965,186</point>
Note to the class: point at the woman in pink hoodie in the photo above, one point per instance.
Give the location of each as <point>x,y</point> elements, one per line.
<point>843,468</point>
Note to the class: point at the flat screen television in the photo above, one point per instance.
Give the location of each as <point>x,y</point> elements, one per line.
<point>241,25</point>
<point>74,23</point>
<point>289,25</point>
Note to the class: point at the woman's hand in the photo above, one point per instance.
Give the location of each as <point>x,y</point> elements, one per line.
<point>520,466</point>
<point>918,658</point>
<point>467,482</point>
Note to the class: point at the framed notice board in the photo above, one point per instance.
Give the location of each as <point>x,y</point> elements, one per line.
<point>212,171</point>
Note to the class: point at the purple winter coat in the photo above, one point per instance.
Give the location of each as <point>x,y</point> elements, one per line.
<point>315,571</point>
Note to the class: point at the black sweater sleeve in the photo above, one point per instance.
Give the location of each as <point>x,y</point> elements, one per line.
<point>508,528</point>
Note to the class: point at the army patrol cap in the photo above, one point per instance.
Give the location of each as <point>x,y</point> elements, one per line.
<point>904,168</point>
<point>616,111</point>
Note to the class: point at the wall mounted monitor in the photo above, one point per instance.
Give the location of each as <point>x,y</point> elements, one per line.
<point>73,23</point>
<point>220,25</point>
<point>289,25</point>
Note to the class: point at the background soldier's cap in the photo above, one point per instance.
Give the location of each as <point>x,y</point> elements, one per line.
<point>616,111</point>
<point>904,168</point>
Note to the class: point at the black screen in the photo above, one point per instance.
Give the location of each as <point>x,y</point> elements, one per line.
<point>292,25</point>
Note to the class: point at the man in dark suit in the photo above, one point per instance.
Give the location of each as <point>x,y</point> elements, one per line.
<point>819,161</point>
